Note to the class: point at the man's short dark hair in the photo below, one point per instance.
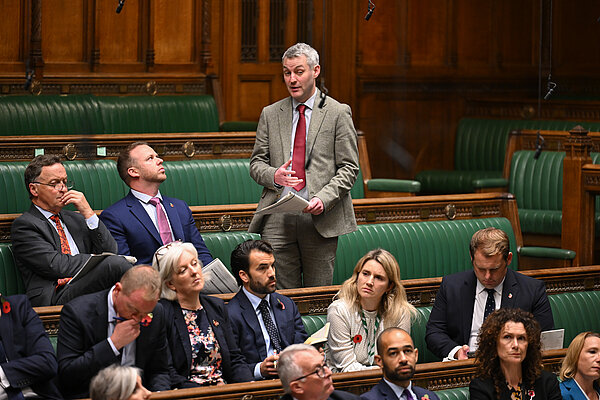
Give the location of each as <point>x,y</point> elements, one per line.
<point>240,256</point>
<point>124,161</point>
<point>34,169</point>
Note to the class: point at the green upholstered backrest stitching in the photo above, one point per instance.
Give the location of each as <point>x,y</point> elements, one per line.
<point>423,249</point>
<point>460,393</point>
<point>221,244</point>
<point>10,277</point>
<point>537,184</point>
<point>576,312</point>
<point>12,185</point>
<point>158,114</point>
<point>358,190</point>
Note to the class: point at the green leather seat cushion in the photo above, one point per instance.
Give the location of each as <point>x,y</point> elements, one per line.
<point>576,312</point>
<point>460,393</point>
<point>10,277</point>
<point>453,181</point>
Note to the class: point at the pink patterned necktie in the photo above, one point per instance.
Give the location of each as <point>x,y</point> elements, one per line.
<point>163,223</point>
<point>298,158</point>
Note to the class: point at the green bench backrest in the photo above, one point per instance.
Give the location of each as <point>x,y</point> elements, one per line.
<point>576,312</point>
<point>481,143</point>
<point>221,244</point>
<point>423,249</point>
<point>158,114</point>
<point>537,184</point>
<point>49,115</point>
<point>10,277</point>
<point>461,393</point>
<point>85,114</point>
<point>97,179</point>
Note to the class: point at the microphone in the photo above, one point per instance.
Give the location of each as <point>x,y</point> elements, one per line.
<point>323,95</point>
<point>120,6</point>
<point>539,144</point>
<point>550,86</point>
<point>370,11</point>
<point>29,74</point>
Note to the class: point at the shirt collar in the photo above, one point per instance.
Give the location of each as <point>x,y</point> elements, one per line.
<point>143,197</point>
<point>111,307</point>
<point>45,213</point>
<point>254,299</point>
<point>309,103</point>
<point>398,390</point>
<point>480,288</point>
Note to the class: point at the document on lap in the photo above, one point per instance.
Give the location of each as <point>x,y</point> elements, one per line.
<point>93,261</point>
<point>288,203</point>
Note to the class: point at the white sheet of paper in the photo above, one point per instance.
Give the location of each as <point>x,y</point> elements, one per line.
<point>553,340</point>
<point>288,203</point>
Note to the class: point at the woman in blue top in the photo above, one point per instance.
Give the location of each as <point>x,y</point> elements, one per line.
<point>580,369</point>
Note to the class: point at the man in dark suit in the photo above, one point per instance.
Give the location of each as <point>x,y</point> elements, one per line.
<point>305,144</point>
<point>466,298</point>
<point>122,325</point>
<point>144,220</point>
<point>397,357</point>
<point>27,361</point>
<point>260,336</point>
<point>305,375</point>
<point>51,245</point>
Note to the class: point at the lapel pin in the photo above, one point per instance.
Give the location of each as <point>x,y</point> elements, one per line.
<point>171,204</point>
<point>510,295</point>
<point>280,304</point>
<point>215,322</point>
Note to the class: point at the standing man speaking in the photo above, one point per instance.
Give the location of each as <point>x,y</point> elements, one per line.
<point>305,144</point>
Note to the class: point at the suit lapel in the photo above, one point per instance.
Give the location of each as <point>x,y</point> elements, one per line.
<point>52,233</point>
<point>281,319</point>
<point>176,224</point>
<point>316,120</point>
<point>386,391</point>
<point>138,212</point>
<point>182,332</point>
<point>251,319</point>
<point>510,290</point>
<point>75,230</point>
<point>468,301</point>
<point>285,128</point>
<point>6,333</point>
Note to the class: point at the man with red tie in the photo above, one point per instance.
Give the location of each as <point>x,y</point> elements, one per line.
<point>51,245</point>
<point>305,144</point>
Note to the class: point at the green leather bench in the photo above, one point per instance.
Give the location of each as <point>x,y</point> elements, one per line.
<point>479,152</point>
<point>89,114</point>
<point>10,277</point>
<point>461,393</point>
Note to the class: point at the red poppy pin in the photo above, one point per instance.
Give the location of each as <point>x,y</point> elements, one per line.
<point>531,393</point>
<point>280,304</point>
<point>357,339</point>
<point>510,295</point>
<point>171,204</point>
<point>425,397</point>
<point>146,320</point>
<point>215,322</point>
<point>5,306</point>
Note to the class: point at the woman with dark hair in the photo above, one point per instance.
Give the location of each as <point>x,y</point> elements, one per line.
<point>580,371</point>
<point>509,360</point>
<point>202,345</point>
<point>371,300</point>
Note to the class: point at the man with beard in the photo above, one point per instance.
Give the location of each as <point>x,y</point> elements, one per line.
<point>397,357</point>
<point>144,220</point>
<point>264,322</point>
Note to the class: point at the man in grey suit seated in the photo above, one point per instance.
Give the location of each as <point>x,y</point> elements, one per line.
<point>51,245</point>
<point>305,144</point>
<point>305,375</point>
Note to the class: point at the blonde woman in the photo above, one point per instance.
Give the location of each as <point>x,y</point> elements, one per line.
<point>371,300</point>
<point>580,371</point>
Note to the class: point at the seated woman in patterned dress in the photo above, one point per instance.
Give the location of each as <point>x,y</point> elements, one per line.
<point>202,347</point>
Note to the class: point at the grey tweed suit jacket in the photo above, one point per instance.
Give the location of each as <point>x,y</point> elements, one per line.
<point>331,164</point>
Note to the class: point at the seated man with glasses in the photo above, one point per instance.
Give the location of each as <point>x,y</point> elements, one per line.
<point>305,376</point>
<point>51,245</point>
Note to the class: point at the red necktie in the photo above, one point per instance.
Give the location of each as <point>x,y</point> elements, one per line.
<point>299,156</point>
<point>163,223</point>
<point>64,243</point>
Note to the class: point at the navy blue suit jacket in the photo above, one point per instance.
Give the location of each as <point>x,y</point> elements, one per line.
<point>335,395</point>
<point>449,324</point>
<point>83,348</point>
<point>136,235</point>
<point>246,327</point>
<point>233,364</point>
<point>31,360</point>
<point>383,391</point>
<point>570,390</point>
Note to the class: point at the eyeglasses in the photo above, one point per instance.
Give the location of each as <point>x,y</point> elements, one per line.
<point>320,372</point>
<point>162,250</point>
<point>58,185</point>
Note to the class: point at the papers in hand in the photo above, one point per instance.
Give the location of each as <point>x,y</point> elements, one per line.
<point>288,203</point>
<point>218,279</point>
<point>319,336</point>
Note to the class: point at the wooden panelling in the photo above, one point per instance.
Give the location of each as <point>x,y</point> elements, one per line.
<point>175,30</point>
<point>517,34</point>
<point>254,94</point>
<point>378,45</point>
<point>118,36</point>
<point>64,32</point>
<point>428,23</point>
<point>12,34</point>
<point>469,49</point>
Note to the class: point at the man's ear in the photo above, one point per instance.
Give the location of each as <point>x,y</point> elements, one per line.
<point>133,172</point>
<point>317,71</point>
<point>33,189</point>
<point>509,258</point>
<point>296,387</point>
<point>378,360</point>
<point>244,276</point>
